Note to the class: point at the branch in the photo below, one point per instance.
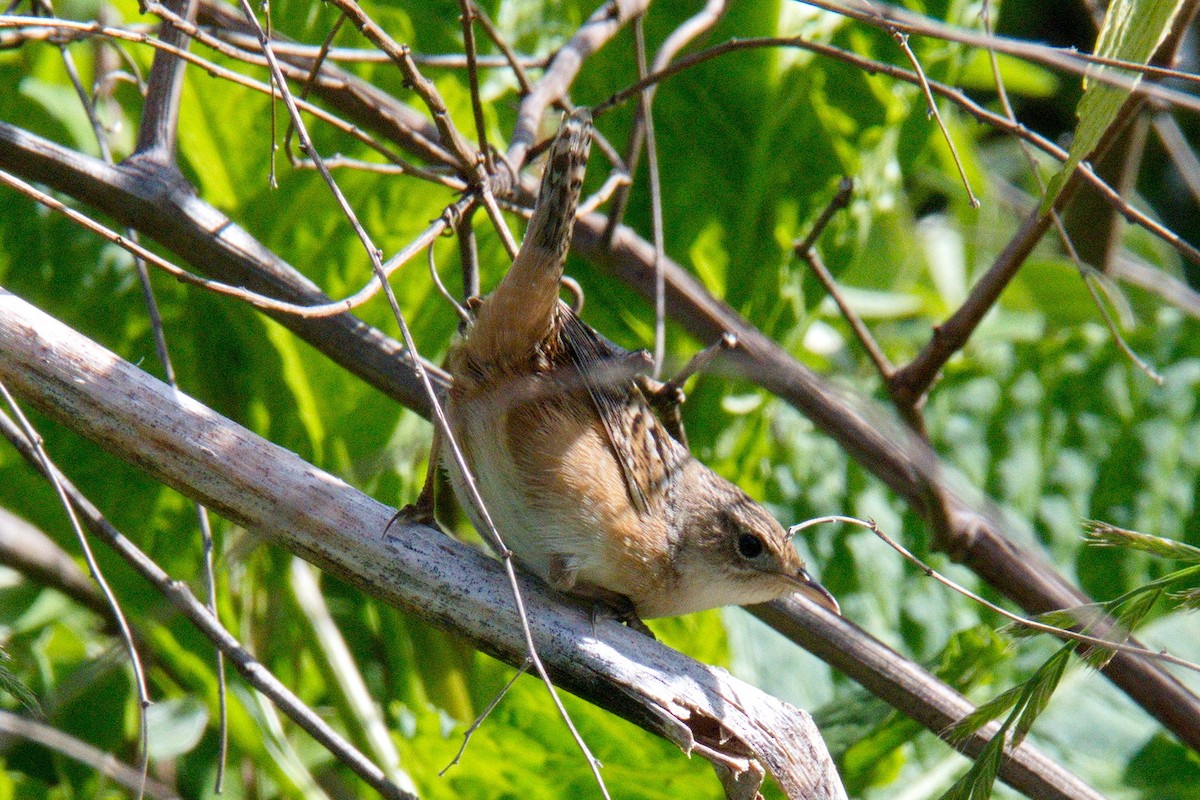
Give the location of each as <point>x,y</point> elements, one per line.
<point>599,28</point>
<point>912,690</point>
<point>450,584</point>
<point>104,763</point>
<point>161,205</point>
<point>159,126</point>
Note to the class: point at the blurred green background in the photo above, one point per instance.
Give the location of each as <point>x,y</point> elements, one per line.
<point>1041,411</point>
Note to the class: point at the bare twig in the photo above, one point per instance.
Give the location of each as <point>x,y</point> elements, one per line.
<point>806,251</point>
<point>29,551</point>
<point>1017,619</point>
<point>313,72</point>
<point>103,763</point>
<point>883,15</point>
<point>468,253</point>
<point>464,316</point>
<point>139,678</point>
<point>901,40</point>
<point>646,116</point>
<point>474,726</point>
<point>1187,165</point>
<point>515,63</point>
<point>164,358</point>
<point>226,74</point>
<point>182,598</point>
<point>1056,218</point>
<point>357,55</point>
<point>468,29</point>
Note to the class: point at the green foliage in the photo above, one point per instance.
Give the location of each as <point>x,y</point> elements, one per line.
<point>1041,412</point>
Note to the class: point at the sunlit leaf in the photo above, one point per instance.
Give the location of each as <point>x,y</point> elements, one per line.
<point>1132,31</point>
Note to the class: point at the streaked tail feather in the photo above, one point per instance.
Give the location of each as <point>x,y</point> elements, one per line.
<point>519,314</point>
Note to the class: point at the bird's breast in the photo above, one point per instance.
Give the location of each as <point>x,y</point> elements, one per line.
<point>545,470</point>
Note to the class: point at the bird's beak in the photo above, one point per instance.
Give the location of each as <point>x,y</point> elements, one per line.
<point>810,588</point>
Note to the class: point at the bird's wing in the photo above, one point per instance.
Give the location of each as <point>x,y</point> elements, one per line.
<point>647,454</point>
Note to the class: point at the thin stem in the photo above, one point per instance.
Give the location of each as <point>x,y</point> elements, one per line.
<point>468,253</point>
<point>135,661</point>
<point>468,28</point>
<point>901,40</point>
<point>313,72</point>
<point>181,597</point>
<point>806,251</point>
<point>646,115</point>
<point>483,715</point>
<point>1024,622</point>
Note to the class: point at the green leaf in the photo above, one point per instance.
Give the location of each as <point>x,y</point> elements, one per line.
<point>10,683</point>
<point>1132,31</point>
<point>977,783</point>
<point>985,713</point>
<point>175,726</point>
<point>1040,688</point>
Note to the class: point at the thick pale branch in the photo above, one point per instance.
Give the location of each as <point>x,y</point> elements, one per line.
<point>315,515</point>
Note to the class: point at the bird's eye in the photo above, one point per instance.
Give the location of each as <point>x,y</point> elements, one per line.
<point>749,546</point>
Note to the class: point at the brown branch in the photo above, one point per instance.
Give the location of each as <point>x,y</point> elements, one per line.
<point>159,127</point>
<point>164,207</point>
<point>468,29</point>
<point>599,28</point>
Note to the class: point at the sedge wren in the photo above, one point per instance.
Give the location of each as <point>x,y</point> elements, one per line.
<point>587,486</point>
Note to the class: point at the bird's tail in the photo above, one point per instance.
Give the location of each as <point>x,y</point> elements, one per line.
<point>518,315</point>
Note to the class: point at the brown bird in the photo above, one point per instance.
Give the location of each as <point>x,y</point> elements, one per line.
<point>586,485</point>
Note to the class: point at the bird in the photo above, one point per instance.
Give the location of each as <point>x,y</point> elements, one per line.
<point>589,488</point>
